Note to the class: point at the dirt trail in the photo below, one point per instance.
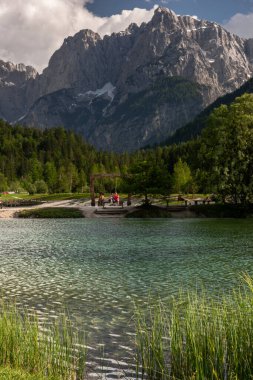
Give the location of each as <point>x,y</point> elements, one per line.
<point>84,207</point>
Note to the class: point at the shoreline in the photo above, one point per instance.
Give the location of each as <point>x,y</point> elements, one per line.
<point>90,212</point>
<point>11,212</point>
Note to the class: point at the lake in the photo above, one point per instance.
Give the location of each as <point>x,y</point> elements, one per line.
<point>96,269</point>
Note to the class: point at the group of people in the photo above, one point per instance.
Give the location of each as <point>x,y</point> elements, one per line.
<point>114,199</point>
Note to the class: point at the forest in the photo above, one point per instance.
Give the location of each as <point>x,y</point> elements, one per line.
<point>219,161</point>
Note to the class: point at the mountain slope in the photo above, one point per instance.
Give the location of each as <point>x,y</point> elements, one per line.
<point>143,118</point>
<point>13,81</point>
<point>108,89</point>
<point>194,128</point>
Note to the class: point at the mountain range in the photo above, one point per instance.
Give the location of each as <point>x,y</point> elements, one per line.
<point>130,89</point>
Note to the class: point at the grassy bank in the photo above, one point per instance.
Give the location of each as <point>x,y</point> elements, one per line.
<point>25,353</point>
<point>51,212</point>
<point>223,211</point>
<point>198,338</point>
<point>19,197</point>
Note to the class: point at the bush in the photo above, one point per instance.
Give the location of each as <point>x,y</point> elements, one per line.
<point>51,213</point>
<point>30,188</point>
<point>41,187</point>
<point>223,210</point>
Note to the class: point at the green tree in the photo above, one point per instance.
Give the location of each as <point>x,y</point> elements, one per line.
<point>41,187</point>
<point>82,184</point>
<point>50,175</point>
<point>63,184</point>
<point>3,183</point>
<point>146,178</point>
<point>29,187</point>
<point>72,175</point>
<point>182,178</point>
<point>226,153</point>
<point>35,169</point>
<point>16,186</point>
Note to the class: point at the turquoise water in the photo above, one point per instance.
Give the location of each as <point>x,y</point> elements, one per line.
<point>97,268</point>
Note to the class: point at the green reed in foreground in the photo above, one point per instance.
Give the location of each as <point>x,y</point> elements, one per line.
<point>199,338</point>
<point>24,347</point>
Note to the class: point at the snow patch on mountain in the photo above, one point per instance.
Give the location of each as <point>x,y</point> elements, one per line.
<point>108,90</point>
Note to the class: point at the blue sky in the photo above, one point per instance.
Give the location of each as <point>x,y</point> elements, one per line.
<point>213,10</point>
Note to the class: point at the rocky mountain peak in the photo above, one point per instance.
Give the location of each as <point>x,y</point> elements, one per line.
<point>87,36</point>
<point>132,29</point>
<point>84,39</point>
<point>13,85</point>
<point>164,17</point>
<point>67,65</point>
<point>135,87</point>
<point>164,11</point>
<point>19,73</point>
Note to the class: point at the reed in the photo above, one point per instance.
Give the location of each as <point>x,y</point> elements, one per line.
<point>199,338</point>
<point>24,347</point>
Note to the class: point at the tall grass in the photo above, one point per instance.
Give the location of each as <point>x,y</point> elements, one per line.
<point>23,346</point>
<point>199,338</point>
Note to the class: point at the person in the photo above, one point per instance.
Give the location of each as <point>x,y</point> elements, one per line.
<point>101,199</point>
<point>116,198</point>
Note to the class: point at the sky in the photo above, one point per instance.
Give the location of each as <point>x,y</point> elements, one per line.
<point>31,30</point>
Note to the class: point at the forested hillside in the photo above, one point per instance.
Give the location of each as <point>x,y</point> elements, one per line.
<point>194,128</point>
<point>51,160</point>
<point>219,161</point>
<point>56,160</point>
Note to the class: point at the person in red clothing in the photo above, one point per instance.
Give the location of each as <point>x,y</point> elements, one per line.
<point>116,198</point>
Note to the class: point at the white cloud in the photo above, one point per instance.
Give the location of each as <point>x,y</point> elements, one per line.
<point>117,23</point>
<point>32,30</point>
<point>241,24</point>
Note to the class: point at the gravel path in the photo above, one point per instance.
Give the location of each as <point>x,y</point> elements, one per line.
<point>87,210</point>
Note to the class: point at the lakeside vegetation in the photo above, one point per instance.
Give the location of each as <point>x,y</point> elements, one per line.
<point>26,352</point>
<point>223,211</point>
<point>16,374</point>
<point>198,338</point>
<point>195,336</point>
<point>51,213</point>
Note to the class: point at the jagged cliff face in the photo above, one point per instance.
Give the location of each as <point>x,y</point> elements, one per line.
<point>13,82</point>
<point>136,87</point>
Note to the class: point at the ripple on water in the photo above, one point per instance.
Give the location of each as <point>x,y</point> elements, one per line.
<point>96,270</point>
